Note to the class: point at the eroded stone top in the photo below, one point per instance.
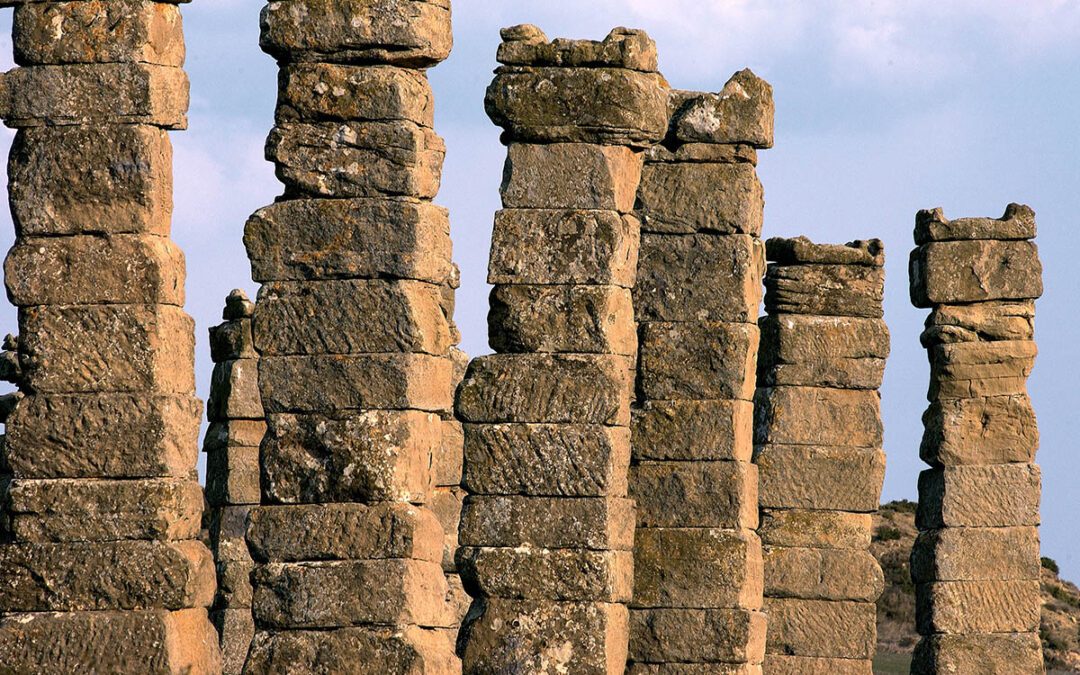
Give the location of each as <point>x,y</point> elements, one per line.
<point>526,45</point>
<point>802,251</point>
<point>1017,223</point>
<point>237,306</point>
<point>742,112</point>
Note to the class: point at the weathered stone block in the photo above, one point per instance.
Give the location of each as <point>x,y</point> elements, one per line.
<point>973,369</point>
<point>695,494</point>
<point>987,654</point>
<point>227,527</point>
<point>830,290</point>
<point>346,593</point>
<point>957,272</point>
<point>984,430</point>
<point>234,434</point>
<point>446,505</point>
<point>782,664</point>
<point>457,606</point>
<point>234,584</point>
<point>232,476</point>
<point>821,628</point>
<point>822,351</point>
<point>237,629</point>
<point>413,33</point>
<point>526,45</point>
<point>805,528</point>
<point>693,430</point>
<point>976,554</point>
<point>687,636</point>
<point>578,460</point>
<point>822,574</point>
<point>232,340</point>
<point>697,568</point>
<point>1017,223</point>
<point>546,574</point>
<point>552,388</point>
<point>91,94</point>
<point>542,522</point>
<point>68,510</point>
<point>446,463</point>
<point>309,92</point>
<point>357,159</point>
<point>820,477</point>
<point>378,455</point>
<point>702,153</point>
<point>692,197</point>
<point>996,495</point>
<point>698,360</point>
<point>369,650</point>
<point>234,391</point>
<point>562,319</point>
<point>817,416</point>
<point>742,112</point>
<point>980,322</point>
<point>570,176</point>
<point>104,436</point>
<point>977,607</point>
<point>299,239</point>
<point>801,251</point>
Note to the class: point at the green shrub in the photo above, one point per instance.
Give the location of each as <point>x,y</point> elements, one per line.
<point>1049,564</point>
<point>887,533</point>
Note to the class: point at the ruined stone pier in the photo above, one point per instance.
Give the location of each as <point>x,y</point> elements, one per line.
<point>976,562</point>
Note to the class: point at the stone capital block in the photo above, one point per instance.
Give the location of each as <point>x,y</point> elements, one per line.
<point>820,477</point>
<point>367,650</point>
<point>976,554</point>
<point>695,494</point>
<point>697,568</point>
<point>562,319</point>
<point>808,528</point>
<point>802,251</point>
<point>234,391</point>
<point>232,340</point>
<point>974,369</point>
<point>822,351</point>
<point>376,455</point>
<point>741,112</point>
<point>699,277</point>
<point>552,460</point>
<point>408,33</point>
<point>1017,223</point>
<point>111,179</point>
<point>595,523</point>
<point>697,361</point>
<point>822,574</point>
<point>526,45</point>
<point>995,606</point>
<point>545,574</point>
<point>98,93</point>
<point>980,322</point>
<point>716,637</point>
<point>821,628</point>
<point>818,416</point>
<point>570,176</point>
<point>983,430</point>
<point>232,476</point>
<point>958,272</point>
<point>693,430</point>
<point>357,159</point>
<point>234,433</point>
<point>985,654</point>
<point>825,289</point>
<point>309,92</point>
<point>696,197</point>
<point>993,495</point>
<point>301,239</point>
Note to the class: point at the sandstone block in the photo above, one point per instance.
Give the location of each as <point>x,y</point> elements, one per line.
<point>551,388</point>
<point>976,554</point>
<point>695,494</point>
<point>446,463</point>
<point>984,430</point>
<point>996,495</point>
<point>446,505</point>
<point>298,239</point>
<point>308,92</point>
<point>702,153</point>
<point>368,650</point>
<point>825,289</point>
<point>817,416</point>
<point>697,568</point>
<point>821,628</point>
<point>972,369</point>
<point>527,45</point>
<point>413,33</point>
<point>822,351</point>
<point>562,319</point>
<point>357,159</point>
<point>956,272</point>
<point>693,430</point>
<point>822,574</point>
<point>699,360</point>
<point>232,476</point>
<point>234,391</point>
<point>98,93</point>
<point>237,629</point>
<point>578,460</point>
<point>820,477</point>
<point>713,636</point>
<point>227,528</point>
<point>805,528</point>
<point>457,606</point>
<point>234,584</point>
<point>983,321</point>
<point>570,176</point>
<point>742,112</point>
<point>1017,223</point>
<point>782,664</point>
<point>234,434</point>
<point>546,574</point>
<point>232,340</point>
<point>542,522</point>
<point>977,607</point>
<point>800,251</point>
<point>987,654</point>
<point>691,197</point>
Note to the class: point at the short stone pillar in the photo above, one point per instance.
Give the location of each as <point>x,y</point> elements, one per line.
<point>817,445</point>
<point>976,563</point>
<point>547,531</point>
<point>101,566</point>
<point>698,570</point>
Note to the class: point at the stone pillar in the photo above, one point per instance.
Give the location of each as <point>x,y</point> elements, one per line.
<point>353,329</point>
<point>698,570</point>
<point>547,530</point>
<point>102,564</point>
<point>975,563</point>
<point>817,436</point>
<point>237,427</point>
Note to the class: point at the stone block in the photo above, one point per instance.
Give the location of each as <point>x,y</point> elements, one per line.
<point>984,430</point>
<point>98,31</point>
<point>821,628</point>
<point>309,92</point>
<point>545,574</point>
<point>234,391</point>
<point>802,251</point>
<point>108,348</point>
<point>699,636</point>
<point>817,416</point>
<point>234,434</point>
<point>237,629</point>
<point>977,607</point>
<point>980,322</point>
<point>741,112</point>
<point>697,361</point>
<point>227,527</point>
<point>413,33</point>
<point>67,510</point>
<point>611,106</point>
<point>368,650</point>
<point>527,45</point>
<point>1017,223</point>
<point>573,460</point>
<point>232,476</point>
<point>593,523</point>
<point>974,369</point>
<point>446,463</point>
<point>820,477</point>
<point>825,289</point>
<point>232,340</point>
<point>316,532</point>
<point>987,654</point>
<point>671,269</point>
<point>299,239</point>
<point>822,351</point>
<point>369,381</point>
<point>692,197</point>
<point>104,436</point>
<point>702,153</point>
<point>547,388</point>
<point>995,495</point>
<point>94,94</point>
<point>106,575</point>
<point>805,528</point>
<point>697,568</point>
<point>446,505</point>
<point>155,642</point>
<point>457,606</point>
<point>693,430</point>
<point>535,636</point>
<point>377,455</point>
<point>339,594</point>
<point>695,494</point>
<point>782,664</point>
<point>562,319</point>
<point>957,272</point>
<point>234,584</point>
<point>570,176</point>
<point>357,159</point>
<point>822,574</point>
<point>111,179</point>
<point>976,554</point>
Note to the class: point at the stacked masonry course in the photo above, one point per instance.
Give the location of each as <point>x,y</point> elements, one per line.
<point>101,564</point>
<point>818,435</point>
<point>975,563</point>
<point>698,568</point>
<point>547,529</point>
<point>237,427</point>
<point>354,334</point>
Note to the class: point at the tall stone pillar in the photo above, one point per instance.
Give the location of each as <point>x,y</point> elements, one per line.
<point>101,565</point>
<point>975,563</point>
<point>698,570</point>
<point>817,436</point>
<point>354,333</point>
<point>547,530</point>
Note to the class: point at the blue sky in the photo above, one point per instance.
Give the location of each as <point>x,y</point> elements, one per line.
<point>882,108</point>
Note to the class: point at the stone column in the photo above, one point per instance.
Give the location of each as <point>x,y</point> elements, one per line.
<point>547,530</point>
<point>976,563</point>
<point>102,565</point>
<point>817,436</point>
<point>353,329</point>
<point>698,571</point>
